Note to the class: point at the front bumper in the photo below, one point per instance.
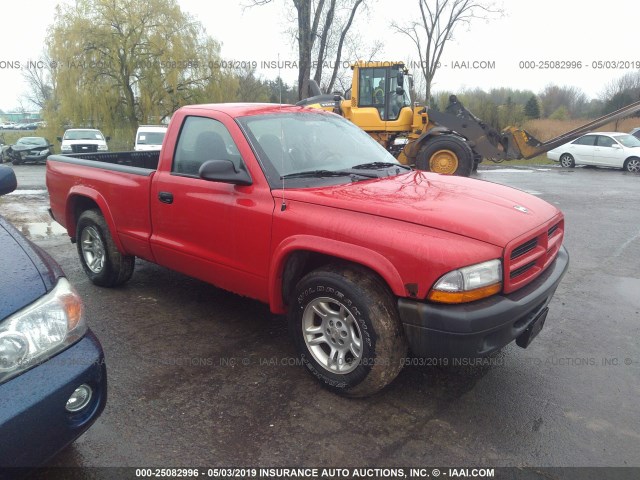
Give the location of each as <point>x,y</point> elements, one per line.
<point>479,328</point>
<point>35,158</point>
<point>34,424</point>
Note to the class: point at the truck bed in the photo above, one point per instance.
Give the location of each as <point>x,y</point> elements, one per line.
<point>137,160</point>
<point>117,183</point>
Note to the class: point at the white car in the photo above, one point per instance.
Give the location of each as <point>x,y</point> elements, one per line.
<point>149,137</point>
<point>602,149</point>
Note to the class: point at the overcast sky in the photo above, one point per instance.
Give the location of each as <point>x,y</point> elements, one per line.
<point>532,31</point>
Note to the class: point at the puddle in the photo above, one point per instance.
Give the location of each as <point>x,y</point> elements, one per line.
<point>506,170</point>
<point>28,192</point>
<point>42,229</point>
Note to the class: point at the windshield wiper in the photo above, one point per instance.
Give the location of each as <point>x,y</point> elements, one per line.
<point>376,165</point>
<point>326,173</point>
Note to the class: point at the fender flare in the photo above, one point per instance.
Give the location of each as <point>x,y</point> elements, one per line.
<point>78,191</point>
<point>333,248</point>
<point>412,148</point>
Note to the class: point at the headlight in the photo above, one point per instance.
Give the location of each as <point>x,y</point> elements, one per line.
<point>65,148</point>
<point>39,331</point>
<point>469,283</point>
<point>102,147</point>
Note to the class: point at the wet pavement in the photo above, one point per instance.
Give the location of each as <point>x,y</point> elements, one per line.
<point>199,376</point>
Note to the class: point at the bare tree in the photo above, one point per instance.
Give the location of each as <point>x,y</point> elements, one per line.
<point>554,97</point>
<point>39,80</point>
<point>621,92</point>
<point>322,29</point>
<point>437,22</point>
<point>342,24</point>
<point>341,77</point>
<point>629,82</point>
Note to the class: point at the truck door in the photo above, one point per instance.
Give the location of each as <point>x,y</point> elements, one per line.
<point>215,231</point>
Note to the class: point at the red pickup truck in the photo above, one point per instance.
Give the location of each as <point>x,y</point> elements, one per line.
<point>302,210</point>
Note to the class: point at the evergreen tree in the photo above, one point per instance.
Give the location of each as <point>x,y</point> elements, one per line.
<point>532,109</point>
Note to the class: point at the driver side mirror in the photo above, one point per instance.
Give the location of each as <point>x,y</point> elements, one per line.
<point>615,145</point>
<point>400,79</point>
<point>59,139</point>
<point>223,171</point>
<point>399,91</point>
<point>8,182</point>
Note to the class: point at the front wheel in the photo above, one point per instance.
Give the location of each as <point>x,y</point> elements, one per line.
<point>632,165</point>
<point>346,328</point>
<point>446,154</point>
<point>567,161</point>
<point>102,262</point>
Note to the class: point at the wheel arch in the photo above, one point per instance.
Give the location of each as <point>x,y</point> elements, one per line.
<point>81,199</point>
<point>412,148</point>
<point>628,159</point>
<point>299,255</point>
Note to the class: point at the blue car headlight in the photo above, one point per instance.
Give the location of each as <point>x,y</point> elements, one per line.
<point>40,330</point>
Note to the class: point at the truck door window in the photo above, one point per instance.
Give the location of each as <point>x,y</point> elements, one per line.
<point>202,139</point>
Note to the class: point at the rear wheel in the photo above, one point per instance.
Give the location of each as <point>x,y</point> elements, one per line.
<point>446,154</point>
<point>102,262</point>
<point>632,165</point>
<point>346,328</point>
<point>567,161</point>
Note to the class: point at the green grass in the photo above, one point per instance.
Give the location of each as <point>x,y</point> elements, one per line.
<point>539,160</point>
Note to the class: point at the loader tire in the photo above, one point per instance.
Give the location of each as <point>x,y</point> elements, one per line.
<point>446,154</point>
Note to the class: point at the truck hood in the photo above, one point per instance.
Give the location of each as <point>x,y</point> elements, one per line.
<point>472,208</point>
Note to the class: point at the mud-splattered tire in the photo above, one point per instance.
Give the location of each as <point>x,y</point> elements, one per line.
<point>102,262</point>
<point>346,329</point>
<point>446,154</point>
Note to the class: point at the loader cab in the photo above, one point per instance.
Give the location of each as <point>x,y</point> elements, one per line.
<point>381,92</point>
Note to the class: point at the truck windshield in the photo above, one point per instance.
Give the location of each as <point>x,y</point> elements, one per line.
<point>150,138</point>
<point>83,135</point>
<point>295,143</point>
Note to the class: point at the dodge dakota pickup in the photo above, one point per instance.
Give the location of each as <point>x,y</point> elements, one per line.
<point>302,210</point>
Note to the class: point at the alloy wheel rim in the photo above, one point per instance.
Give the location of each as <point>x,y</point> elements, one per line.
<point>93,250</point>
<point>332,335</point>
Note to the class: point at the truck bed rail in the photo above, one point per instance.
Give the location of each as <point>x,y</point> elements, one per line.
<point>137,163</point>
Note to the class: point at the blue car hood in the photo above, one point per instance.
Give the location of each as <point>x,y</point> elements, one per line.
<point>26,272</point>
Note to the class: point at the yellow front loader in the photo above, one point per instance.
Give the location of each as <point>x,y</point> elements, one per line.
<point>452,142</point>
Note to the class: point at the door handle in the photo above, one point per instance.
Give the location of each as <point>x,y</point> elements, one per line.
<point>165,197</point>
